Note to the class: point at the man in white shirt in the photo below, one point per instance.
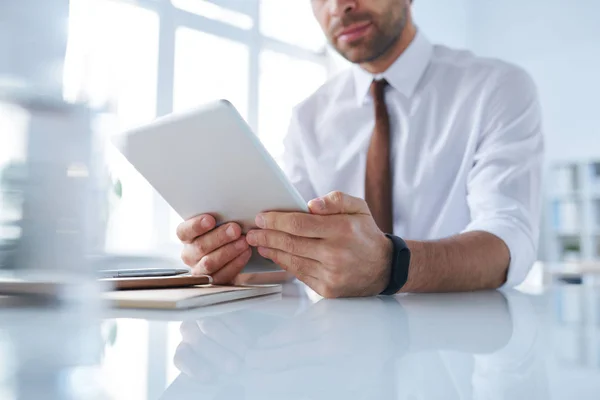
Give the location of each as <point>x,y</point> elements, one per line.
<point>445,147</point>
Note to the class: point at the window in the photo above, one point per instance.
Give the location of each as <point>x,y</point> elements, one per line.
<point>291,21</point>
<point>110,64</point>
<point>281,90</point>
<point>249,52</point>
<point>216,12</point>
<point>208,68</point>
<point>114,68</point>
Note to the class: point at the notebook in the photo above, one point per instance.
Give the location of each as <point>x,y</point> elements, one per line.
<point>157,282</point>
<point>40,284</point>
<point>188,314</point>
<point>187,297</point>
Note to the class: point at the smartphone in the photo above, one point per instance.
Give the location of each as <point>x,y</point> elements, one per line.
<point>142,273</point>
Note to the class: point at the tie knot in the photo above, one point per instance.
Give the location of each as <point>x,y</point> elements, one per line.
<point>378,89</point>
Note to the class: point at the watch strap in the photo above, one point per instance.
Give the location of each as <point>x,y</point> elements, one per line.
<point>399,267</point>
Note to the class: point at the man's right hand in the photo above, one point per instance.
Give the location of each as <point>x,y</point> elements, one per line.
<point>221,252</point>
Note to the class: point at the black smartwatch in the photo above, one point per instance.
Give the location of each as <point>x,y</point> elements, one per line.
<point>400,265</point>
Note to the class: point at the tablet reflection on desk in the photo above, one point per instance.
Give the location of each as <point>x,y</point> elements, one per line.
<point>435,346</point>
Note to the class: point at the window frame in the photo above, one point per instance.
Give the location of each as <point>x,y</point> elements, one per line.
<point>170,19</point>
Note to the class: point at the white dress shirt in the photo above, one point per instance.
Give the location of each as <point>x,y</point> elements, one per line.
<point>466,150</point>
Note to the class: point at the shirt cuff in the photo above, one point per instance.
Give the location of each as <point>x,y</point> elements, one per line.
<point>520,245</point>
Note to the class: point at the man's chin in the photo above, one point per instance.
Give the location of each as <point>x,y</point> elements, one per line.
<point>358,53</point>
<point>358,57</point>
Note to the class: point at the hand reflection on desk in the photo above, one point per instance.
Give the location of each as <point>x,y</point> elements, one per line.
<point>217,346</point>
<point>327,337</point>
<point>211,347</point>
<point>367,348</point>
<point>339,348</point>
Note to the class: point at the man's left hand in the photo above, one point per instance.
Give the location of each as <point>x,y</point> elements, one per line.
<point>337,249</point>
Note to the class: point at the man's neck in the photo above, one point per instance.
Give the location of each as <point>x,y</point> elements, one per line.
<point>382,63</point>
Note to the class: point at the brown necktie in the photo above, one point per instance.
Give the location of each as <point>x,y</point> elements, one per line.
<point>378,180</point>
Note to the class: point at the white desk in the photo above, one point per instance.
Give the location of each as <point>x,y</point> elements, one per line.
<point>462,346</point>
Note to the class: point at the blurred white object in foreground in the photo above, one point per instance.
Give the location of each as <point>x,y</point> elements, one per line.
<point>50,188</point>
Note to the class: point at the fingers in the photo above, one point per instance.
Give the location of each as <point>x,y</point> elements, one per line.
<point>297,224</point>
<point>220,333</point>
<point>338,203</point>
<point>228,273</point>
<point>303,268</point>
<point>212,262</point>
<point>209,242</point>
<point>206,349</point>
<point>187,361</point>
<point>299,246</point>
<point>189,230</point>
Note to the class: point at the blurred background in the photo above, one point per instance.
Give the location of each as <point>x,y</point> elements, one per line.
<point>558,43</point>
<point>131,61</point>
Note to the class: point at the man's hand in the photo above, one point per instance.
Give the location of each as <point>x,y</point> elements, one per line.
<point>337,250</point>
<point>221,252</point>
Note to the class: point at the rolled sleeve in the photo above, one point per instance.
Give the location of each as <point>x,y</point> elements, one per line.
<point>519,241</point>
<point>504,185</point>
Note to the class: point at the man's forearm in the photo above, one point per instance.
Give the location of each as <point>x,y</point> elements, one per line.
<point>470,261</point>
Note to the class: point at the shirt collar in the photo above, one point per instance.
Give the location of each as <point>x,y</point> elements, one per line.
<point>403,75</point>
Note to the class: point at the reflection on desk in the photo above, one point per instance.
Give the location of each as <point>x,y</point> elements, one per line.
<point>488,345</point>
<point>463,346</point>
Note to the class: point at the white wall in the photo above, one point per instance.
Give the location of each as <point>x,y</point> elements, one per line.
<point>558,42</point>
<point>443,21</point>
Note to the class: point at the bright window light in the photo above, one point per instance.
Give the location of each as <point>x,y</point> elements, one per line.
<point>293,22</point>
<point>115,69</point>
<point>278,94</point>
<point>211,10</point>
<point>208,68</point>
<point>125,362</point>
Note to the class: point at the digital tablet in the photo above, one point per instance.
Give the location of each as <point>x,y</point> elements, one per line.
<point>208,161</point>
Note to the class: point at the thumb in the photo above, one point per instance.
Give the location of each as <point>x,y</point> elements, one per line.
<point>338,203</point>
